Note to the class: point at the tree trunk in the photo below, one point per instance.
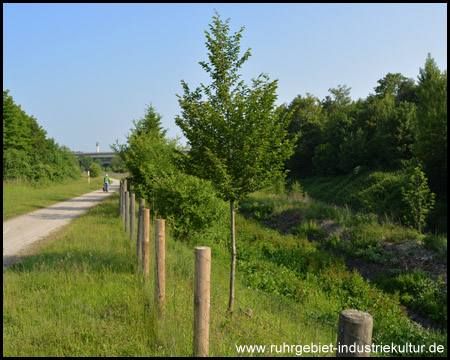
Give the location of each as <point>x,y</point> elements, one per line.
<point>233,260</point>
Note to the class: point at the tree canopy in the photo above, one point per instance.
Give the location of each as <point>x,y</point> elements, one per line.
<point>236,136</point>
<point>27,152</point>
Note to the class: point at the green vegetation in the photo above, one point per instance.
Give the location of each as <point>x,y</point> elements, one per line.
<point>237,138</point>
<point>360,152</point>
<point>92,302</point>
<point>78,296</point>
<point>436,243</point>
<point>156,175</point>
<point>380,193</point>
<point>419,198</point>
<point>418,291</point>
<point>354,236</point>
<point>95,170</point>
<point>20,197</point>
<point>366,156</point>
<point>27,153</point>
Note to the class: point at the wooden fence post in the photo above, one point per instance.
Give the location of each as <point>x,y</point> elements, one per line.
<point>139,232</point>
<point>123,203</point>
<point>127,213</point>
<point>120,198</point>
<point>202,300</point>
<point>146,241</point>
<point>354,337</point>
<point>160,263</point>
<point>132,215</point>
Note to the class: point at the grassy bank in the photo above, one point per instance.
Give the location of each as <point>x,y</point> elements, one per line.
<point>329,231</point>
<point>376,192</point>
<point>20,197</point>
<point>81,296</point>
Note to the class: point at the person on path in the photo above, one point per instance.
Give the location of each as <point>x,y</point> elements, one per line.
<point>106,182</point>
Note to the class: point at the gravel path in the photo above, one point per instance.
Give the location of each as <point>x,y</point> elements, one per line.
<point>22,231</point>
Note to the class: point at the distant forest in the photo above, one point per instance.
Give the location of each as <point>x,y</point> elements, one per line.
<point>402,126</point>
<point>27,152</point>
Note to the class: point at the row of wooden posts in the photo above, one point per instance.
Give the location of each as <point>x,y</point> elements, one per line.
<point>354,327</point>
<point>202,265</point>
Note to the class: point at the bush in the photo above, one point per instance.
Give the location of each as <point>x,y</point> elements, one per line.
<point>419,198</point>
<point>310,230</point>
<point>42,172</point>
<point>418,291</point>
<point>437,244</point>
<point>16,165</point>
<point>376,192</point>
<point>188,202</point>
<point>297,193</point>
<point>95,170</point>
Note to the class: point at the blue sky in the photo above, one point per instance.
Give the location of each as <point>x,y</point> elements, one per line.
<point>85,71</point>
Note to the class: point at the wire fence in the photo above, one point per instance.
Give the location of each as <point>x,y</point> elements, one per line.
<point>261,324</point>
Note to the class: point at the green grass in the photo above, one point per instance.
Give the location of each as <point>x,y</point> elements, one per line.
<point>78,296</point>
<point>81,296</point>
<point>356,234</point>
<point>377,192</point>
<point>270,323</point>
<point>303,264</point>
<point>20,197</point>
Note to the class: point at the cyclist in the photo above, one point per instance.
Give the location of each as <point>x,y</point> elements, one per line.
<point>106,182</point>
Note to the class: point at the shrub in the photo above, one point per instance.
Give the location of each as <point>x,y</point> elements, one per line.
<point>42,171</point>
<point>418,291</point>
<point>419,198</point>
<point>188,202</point>
<point>437,244</point>
<point>376,192</point>
<point>95,170</point>
<point>310,230</point>
<point>16,165</point>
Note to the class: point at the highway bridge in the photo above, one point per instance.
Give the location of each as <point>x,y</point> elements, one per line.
<point>105,157</point>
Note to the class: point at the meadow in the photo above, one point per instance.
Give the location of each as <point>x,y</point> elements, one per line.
<point>82,295</point>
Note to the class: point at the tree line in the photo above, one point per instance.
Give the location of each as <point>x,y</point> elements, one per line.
<point>401,127</point>
<point>403,122</point>
<point>27,152</point>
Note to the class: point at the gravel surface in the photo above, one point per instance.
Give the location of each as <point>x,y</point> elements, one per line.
<point>21,232</point>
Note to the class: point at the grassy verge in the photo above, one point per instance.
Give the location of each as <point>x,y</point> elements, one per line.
<point>78,296</point>
<point>20,198</point>
<point>81,296</point>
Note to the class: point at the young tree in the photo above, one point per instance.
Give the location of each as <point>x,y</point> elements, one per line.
<point>430,145</point>
<point>237,138</point>
<point>147,154</point>
<point>418,196</point>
